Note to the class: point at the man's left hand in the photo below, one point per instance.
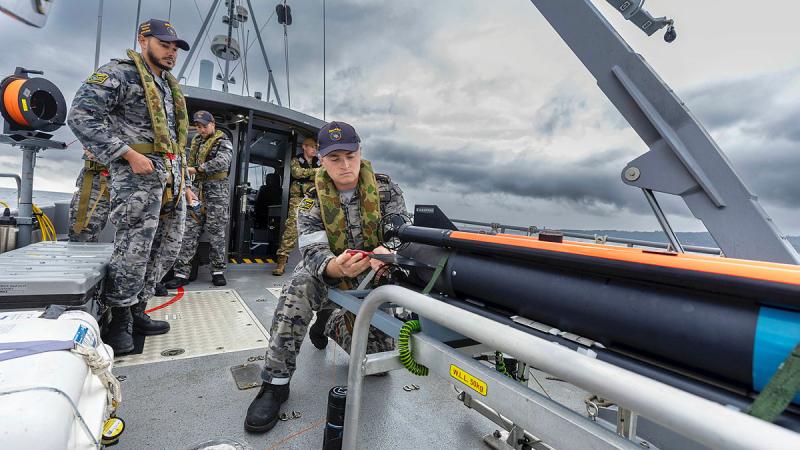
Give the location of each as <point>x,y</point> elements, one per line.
<point>374,263</point>
<point>190,196</point>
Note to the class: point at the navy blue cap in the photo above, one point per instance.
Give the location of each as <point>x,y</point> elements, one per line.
<point>202,117</point>
<point>337,136</point>
<point>163,31</point>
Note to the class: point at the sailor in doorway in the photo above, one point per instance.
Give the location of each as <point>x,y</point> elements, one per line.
<point>88,210</point>
<point>132,115</point>
<point>209,163</point>
<point>304,169</point>
<point>354,199</point>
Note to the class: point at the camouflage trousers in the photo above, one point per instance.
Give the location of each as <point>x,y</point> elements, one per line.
<point>213,218</point>
<point>296,305</point>
<point>98,206</point>
<point>148,236</point>
<point>289,237</point>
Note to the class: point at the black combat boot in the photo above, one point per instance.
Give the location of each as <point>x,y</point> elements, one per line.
<point>317,331</point>
<point>262,414</point>
<point>143,324</point>
<point>218,279</point>
<point>119,334</point>
<point>161,290</point>
<point>176,282</point>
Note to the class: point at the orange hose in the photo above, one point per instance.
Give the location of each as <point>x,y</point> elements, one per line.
<point>11,101</point>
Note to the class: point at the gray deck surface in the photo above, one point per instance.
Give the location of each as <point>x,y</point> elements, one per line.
<point>177,404</point>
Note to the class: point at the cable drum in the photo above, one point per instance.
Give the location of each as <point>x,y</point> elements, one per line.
<point>32,104</point>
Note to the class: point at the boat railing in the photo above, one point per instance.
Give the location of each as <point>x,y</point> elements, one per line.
<point>705,422</point>
<point>495,227</point>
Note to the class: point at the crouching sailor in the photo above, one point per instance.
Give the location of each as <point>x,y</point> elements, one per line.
<point>342,212</point>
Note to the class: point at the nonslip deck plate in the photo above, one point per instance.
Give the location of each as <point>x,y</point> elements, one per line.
<point>202,323</point>
<point>247,376</point>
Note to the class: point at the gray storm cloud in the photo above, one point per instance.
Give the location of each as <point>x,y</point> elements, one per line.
<point>475,103</point>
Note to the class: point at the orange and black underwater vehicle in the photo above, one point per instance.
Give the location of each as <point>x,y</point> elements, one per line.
<point>716,327</point>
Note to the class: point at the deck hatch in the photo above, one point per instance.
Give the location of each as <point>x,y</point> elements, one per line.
<point>202,323</point>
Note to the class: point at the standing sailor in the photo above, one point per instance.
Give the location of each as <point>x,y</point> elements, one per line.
<point>353,199</point>
<point>209,162</point>
<point>90,205</point>
<point>88,210</point>
<point>132,115</point>
<point>303,171</point>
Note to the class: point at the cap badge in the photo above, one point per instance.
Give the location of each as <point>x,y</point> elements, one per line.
<point>335,134</point>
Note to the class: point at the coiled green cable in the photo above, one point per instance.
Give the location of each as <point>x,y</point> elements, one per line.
<point>500,364</point>
<point>406,358</point>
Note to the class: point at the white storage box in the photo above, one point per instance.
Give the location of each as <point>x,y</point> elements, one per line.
<point>40,393</point>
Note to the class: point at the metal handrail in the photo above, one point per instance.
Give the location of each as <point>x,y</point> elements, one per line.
<point>16,178</point>
<point>700,420</point>
<point>573,234</point>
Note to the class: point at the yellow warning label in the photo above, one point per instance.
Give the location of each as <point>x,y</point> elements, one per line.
<point>475,384</point>
<point>24,105</point>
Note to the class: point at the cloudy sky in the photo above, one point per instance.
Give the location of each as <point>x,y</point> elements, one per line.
<point>479,106</point>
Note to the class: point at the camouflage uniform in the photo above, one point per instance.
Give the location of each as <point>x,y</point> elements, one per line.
<point>97,206</point>
<point>109,113</point>
<point>214,196</point>
<point>308,290</point>
<point>302,180</point>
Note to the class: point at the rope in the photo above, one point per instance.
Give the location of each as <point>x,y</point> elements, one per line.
<point>100,367</point>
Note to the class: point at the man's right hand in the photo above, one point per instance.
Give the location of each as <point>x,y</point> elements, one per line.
<point>140,164</point>
<point>347,265</point>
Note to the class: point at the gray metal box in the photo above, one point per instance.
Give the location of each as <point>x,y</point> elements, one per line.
<point>54,273</point>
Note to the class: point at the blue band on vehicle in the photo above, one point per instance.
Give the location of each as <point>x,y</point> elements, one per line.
<point>777,333</point>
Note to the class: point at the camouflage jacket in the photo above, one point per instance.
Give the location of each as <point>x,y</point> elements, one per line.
<point>109,112</point>
<point>312,238</point>
<point>303,174</point>
<point>218,158</point>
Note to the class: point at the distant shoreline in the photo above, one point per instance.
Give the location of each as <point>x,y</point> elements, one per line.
<point>699,238</point>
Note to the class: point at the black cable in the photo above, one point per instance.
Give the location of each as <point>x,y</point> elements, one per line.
<point>202,43</point>
<point>324,62</point>
<point>286,57</point>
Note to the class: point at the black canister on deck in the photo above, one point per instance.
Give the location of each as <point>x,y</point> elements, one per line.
<point>334,428</point>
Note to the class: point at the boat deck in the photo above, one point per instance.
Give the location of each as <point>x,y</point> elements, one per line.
<point>177,404</point>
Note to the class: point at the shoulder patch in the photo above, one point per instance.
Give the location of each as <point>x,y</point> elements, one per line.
<point>306,204</point>
<point>97,78</point>
<point>383,177</point>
